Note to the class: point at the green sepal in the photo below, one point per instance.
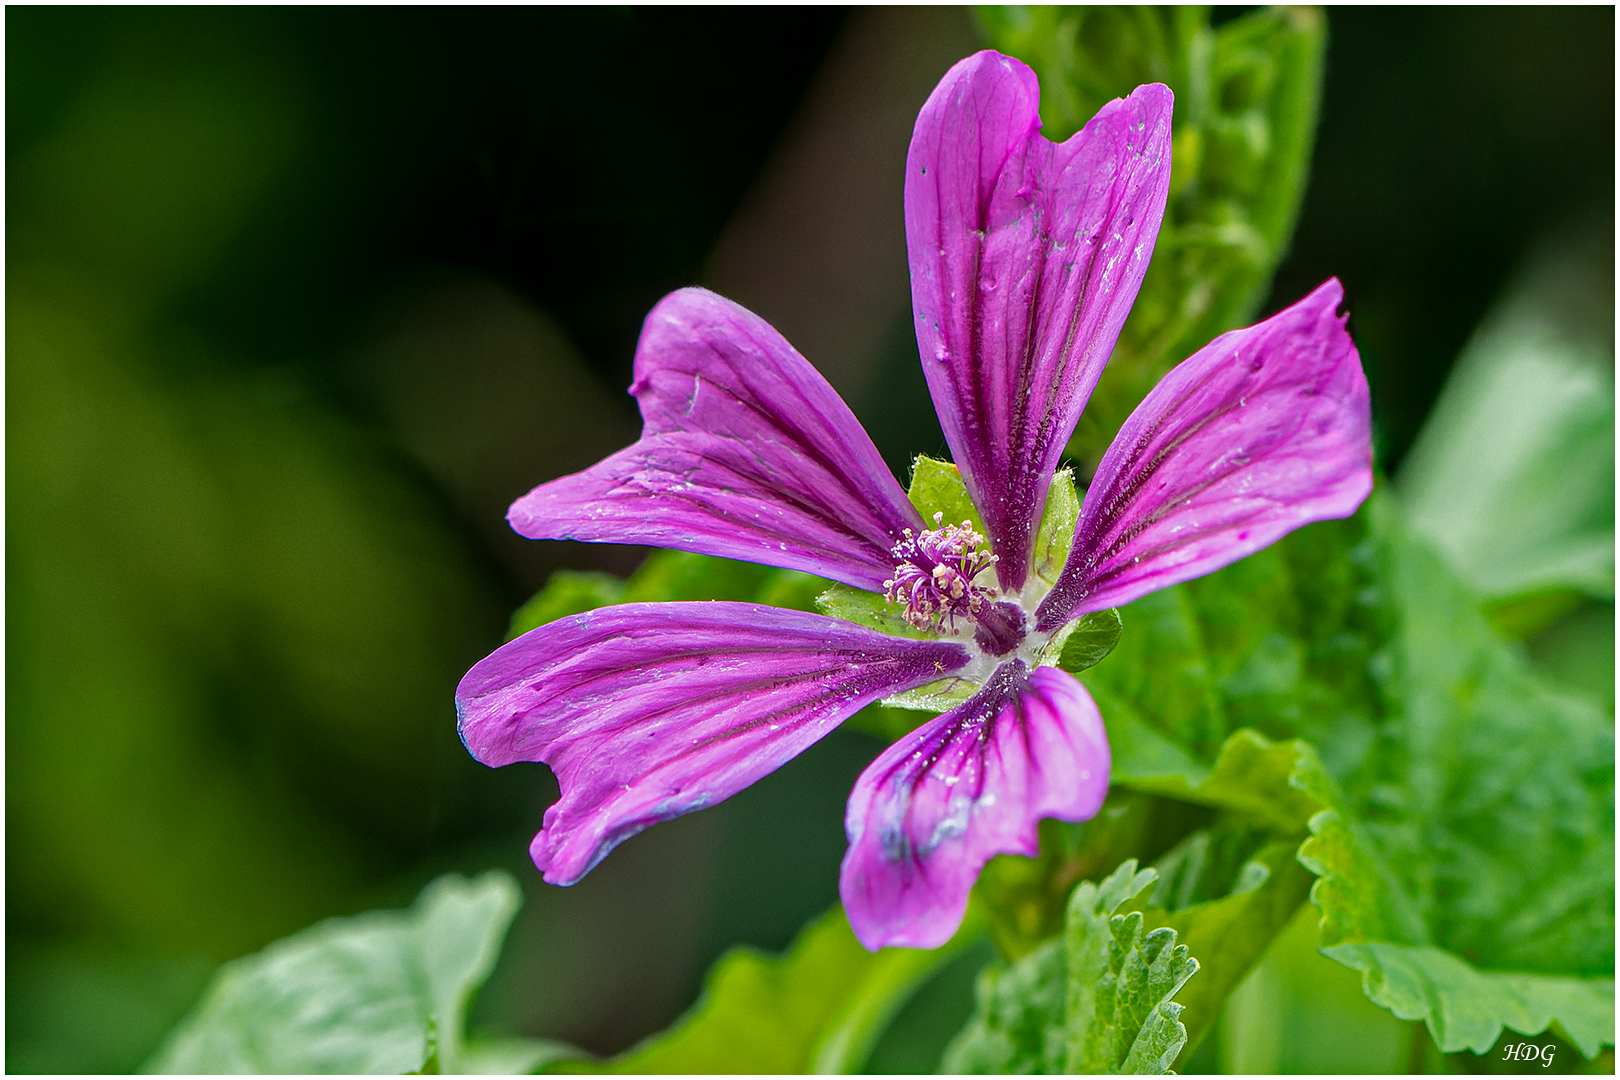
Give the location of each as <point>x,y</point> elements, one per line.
<point>1056,535</point>
<point>869,610</point>
<point>936,697</point>
<point>1086,641</point>
<point>937,488</point>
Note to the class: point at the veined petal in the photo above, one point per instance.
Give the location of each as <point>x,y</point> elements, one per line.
<point>745,452</point>
<point>649,711</point>
<point>1025,259</point>
<point>935,806</point>
<point>1259,432</point>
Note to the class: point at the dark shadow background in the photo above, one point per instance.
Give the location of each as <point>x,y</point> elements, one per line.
<point>299,299</point>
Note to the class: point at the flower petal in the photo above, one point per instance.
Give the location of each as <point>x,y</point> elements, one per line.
<point>1259,432</point>
<point>933,808</point>
<point>650,711</point>
<point>1025,259</point>
<point>745,452</point>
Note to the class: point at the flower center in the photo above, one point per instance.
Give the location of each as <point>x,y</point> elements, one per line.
<point>934,572</point>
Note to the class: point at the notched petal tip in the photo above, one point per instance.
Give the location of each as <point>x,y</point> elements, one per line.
<point>927,815</point>
<point>1025,259</point>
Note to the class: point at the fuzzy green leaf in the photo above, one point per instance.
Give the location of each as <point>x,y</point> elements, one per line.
<point>1245,121</point>
<point>1230,934</point>
<point>1471,827</point>
<point>1469,874</point>
<point>1017,1026</point>
<point>1120,1016</point>
<point>383,992</point>
<point>1095,1000</point>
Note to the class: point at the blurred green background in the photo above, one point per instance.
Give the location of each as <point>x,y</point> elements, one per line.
<point>299,299</point>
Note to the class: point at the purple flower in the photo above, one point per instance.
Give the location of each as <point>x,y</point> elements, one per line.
<point>1025,259</point>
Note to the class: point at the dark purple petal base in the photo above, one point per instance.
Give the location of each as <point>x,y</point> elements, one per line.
<point>933,808</point>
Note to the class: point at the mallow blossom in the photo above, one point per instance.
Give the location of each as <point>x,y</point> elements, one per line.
<point>1025,258</point>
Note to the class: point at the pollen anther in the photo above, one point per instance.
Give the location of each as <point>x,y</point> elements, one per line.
<point>934,572</point>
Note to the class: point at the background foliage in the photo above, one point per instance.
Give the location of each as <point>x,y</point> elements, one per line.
<point>298,300</point>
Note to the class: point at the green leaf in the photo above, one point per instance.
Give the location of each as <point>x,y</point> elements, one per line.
<point>507,1056</point>
<point>1245,121</point>
<point>1230,934</point>
<point>1120,1016</point>
<point>1469,871</point>
<point>937,488</point>
<point>1253,778</point>
<point>1227,905</point>
<point>820,1007</point>
<point>1017,1026</point>
<point>1096,1000</point>
<point>1300,1012</point>
<point>1512,476</point>
<point>383,992</point>
<point>1281,639</point>
<point>1278,642</point>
